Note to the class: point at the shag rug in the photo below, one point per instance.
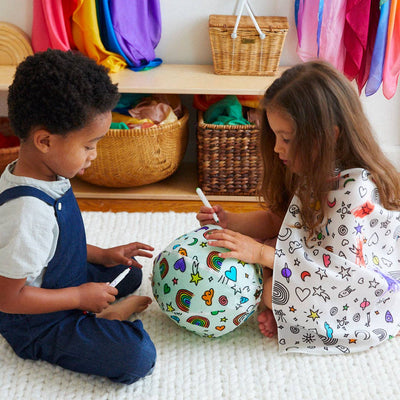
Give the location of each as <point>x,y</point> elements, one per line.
<point>240,365</point>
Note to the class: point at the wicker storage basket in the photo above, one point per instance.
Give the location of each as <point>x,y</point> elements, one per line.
<point>7,154</point>
<point>247,54</point>
<point>228,158</point>
<point>135,157</point>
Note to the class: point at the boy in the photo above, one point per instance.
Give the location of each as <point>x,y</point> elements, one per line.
<point>54,292</point>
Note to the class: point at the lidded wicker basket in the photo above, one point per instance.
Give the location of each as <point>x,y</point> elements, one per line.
<point>136,157</point>
<point>228,158</point>
<point>247,54</point>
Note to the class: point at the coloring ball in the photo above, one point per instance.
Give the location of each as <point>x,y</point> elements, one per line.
<point>202,292</point>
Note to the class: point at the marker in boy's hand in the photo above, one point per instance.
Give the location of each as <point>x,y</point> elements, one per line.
<point>120,277</point>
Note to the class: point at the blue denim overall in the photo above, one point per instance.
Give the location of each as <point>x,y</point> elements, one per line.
<point>119,350</point>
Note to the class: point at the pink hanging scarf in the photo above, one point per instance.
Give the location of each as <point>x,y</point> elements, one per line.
<point>307,26</point>
<point>355,35</point>
<point>331,39</point>
<point>48,26</point>
<point>362,76</point>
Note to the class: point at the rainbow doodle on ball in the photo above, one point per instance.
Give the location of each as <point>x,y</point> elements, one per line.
<point>199,321</point>
<point>214,261</point>
<point>201,291</point>
<point>183,299</point>
<point>164,268</point>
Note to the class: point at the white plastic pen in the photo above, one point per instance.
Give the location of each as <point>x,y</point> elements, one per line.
<point>119,278</point>
<point>203,198</point>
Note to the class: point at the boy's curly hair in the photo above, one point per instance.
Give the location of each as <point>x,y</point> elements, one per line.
<point>59,91</point>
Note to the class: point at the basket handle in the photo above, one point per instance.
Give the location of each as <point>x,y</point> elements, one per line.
<point>242,4</point>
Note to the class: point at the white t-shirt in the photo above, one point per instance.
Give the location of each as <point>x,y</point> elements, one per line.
<point>28,228</point>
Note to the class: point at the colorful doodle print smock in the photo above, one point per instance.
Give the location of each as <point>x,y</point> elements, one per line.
<point>339,292</point>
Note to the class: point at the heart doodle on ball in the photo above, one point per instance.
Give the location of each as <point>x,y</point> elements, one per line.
<point>167,289</point>
<point>231,274</point>
<point>180,265</point>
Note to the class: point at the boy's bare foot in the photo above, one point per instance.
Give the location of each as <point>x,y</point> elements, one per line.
<point>123,309</point>
<point>267,323</point>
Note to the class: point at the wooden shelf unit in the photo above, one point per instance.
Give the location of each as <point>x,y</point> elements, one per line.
<point>168,78</point>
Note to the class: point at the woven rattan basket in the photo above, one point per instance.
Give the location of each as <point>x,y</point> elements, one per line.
<point>136,157</point>
<point>247,54</point>
<point>7,154</point>
<point>228,158</point>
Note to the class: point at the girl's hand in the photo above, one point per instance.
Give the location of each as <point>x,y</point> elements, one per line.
<point>95,296</point>
<point>242,247</point>
<point>205,216</point>
<point>123,254</point>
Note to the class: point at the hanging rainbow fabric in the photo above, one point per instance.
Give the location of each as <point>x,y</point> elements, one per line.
<point>378,55</point>
<point>107,32</point>
<point>331,46</point>
<point>86,35</point>
<point>355,35</point>
<point>110,39</point>
<point>137,27</point>
<point>48,26</point>
<point>361,38</point>
<point>307,26</point>
<point>362,76</point>
<point>391,68</point>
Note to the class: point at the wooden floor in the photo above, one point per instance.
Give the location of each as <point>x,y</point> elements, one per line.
<point>119,205</point>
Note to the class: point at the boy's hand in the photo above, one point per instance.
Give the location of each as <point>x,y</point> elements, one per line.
<point>123,254</point>
<point>95,296</point>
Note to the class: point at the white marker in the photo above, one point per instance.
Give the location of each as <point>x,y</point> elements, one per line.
<point>203,198</point>
<point>119,278</point>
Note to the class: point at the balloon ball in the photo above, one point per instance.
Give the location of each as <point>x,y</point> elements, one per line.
<point>202,292</point>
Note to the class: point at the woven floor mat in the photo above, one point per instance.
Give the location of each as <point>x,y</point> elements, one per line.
<point>241,365</point>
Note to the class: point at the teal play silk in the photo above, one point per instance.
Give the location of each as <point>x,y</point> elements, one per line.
<point>201,291</point>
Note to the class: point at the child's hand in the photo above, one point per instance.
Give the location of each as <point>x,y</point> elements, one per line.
<point>205,216</point>
<point>123,254</point>
<point>241,247</point>
<point>96,296</point>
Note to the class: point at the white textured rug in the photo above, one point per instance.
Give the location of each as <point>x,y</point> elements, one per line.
<point>241,365</point>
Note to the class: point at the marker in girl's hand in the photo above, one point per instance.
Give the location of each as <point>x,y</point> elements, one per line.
<point>121,276</point>
<point>206,203</point>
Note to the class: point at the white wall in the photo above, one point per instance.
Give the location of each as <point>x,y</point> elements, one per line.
<point>185,41</point>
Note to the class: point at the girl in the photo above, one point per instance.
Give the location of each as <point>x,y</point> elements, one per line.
<point>331,224</point>
<point>51,281</point>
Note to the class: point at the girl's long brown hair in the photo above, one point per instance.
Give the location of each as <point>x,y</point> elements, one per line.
<point>331,131</point>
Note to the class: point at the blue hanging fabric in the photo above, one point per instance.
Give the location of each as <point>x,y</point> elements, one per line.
<point>296,12</point>
<point>137,28</point>
<point>320,14</point>
<point>378,54</point>
<point>107,33</point>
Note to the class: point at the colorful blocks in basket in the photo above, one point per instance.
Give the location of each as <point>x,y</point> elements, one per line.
<point>202,292</point>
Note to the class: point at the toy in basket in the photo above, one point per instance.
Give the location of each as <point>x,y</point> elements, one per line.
<point>246,45</point>
<point>202,292</point>
<point>135,157</point>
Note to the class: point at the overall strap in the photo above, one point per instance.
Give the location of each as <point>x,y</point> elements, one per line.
<point>19,191</point>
